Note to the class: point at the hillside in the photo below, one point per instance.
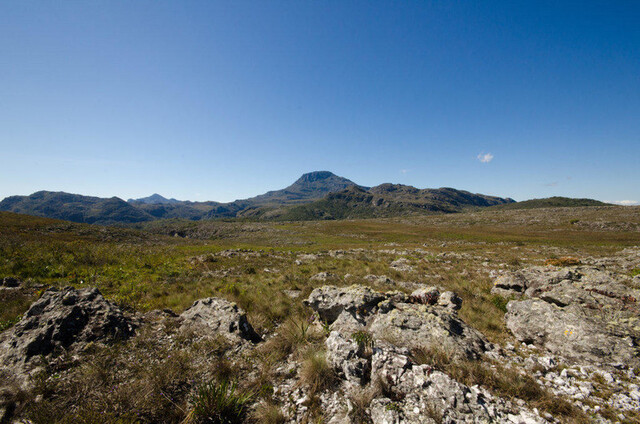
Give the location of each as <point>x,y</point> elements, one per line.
<point>388,200</point>
<point>75,207</point>
<point>552,202</point>
<point>86,209</point>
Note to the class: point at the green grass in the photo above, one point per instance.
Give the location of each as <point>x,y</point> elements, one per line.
<point>146,268</point>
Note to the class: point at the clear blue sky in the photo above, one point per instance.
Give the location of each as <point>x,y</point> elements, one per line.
<point>208,100</point>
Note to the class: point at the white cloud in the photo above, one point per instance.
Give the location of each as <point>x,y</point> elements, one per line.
<point>404,171</point>
<point>626,202</point>
<point>485,157</point>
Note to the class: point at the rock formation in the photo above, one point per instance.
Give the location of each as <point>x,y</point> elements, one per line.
<point>584,314</point>
<point>61,321</point>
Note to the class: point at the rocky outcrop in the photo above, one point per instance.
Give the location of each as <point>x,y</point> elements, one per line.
<point>420,394</point>
<point>425,318</point>
<point>62,321</point>
<point>219,316</point>
<point>329,301</point>
<point>371,345</point>
<point>584,314</point>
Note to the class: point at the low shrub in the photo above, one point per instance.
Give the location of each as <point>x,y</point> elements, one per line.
<point>219,403</point>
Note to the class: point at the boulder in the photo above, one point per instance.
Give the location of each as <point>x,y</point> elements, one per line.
<point>583,313</point>
<point>568,332</point>
<point>323,276</point>
<point>371,349</point>
<point>219,316</point>
<point>424,319</point>
<point>63,320</point>
<point>417,326</point>
<point>330,301</point>
<point>414,393</point>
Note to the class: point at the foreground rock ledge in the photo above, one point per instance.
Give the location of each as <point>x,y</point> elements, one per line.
<point>583,314</point>
<point>62,320</point>
<point>372,336</point>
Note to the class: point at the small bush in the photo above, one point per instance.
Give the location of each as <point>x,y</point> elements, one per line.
<point>500,302</point>
<point>364,341</point>
<point>360,401</point>
<point>219,403</point>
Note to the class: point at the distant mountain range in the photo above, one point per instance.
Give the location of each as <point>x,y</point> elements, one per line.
<point>316,195</point>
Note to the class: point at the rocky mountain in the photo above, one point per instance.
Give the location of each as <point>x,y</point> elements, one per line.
<point>316,195</point>
<point>311,186</point>
<point>75,207</point>
<point>389,200</point>
<point>154,199</point>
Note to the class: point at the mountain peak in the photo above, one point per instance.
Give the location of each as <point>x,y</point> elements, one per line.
<point>154,199</point>
<point>314,176</point>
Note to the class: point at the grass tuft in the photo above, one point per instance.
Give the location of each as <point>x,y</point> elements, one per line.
<point>219,403</point>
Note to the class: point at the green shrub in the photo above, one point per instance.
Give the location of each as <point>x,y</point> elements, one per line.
<point>364,341</point>
<point>219,403</point>
<point>500,302</point>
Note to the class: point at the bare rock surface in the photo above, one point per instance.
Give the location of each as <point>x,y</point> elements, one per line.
<point>583,313</point>
<point>422,395</point>
<point>424,319</point>
<point>213,316</point>
<point>370,345</point>
<point>62,321</point>
<point>330,301</point>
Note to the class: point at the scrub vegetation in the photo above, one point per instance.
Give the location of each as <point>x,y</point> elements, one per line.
<point>268,269</point>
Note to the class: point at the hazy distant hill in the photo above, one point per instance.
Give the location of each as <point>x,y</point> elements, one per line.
<point>75,207</point>
<point>552,202</point>
<point>387,200</point>
<point>154,199</point>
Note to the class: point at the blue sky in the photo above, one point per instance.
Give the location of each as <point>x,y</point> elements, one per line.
<point>207,100</point>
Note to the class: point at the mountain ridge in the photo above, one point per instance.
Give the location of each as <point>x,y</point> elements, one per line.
<point>314,195</point>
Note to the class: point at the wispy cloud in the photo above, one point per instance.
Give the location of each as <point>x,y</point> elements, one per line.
<point>626,202</point>
<point>404,171</point>
<point>485,157</point>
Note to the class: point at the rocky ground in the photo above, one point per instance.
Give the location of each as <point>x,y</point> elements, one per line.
<point>467,318</point>
<point>385,356</point>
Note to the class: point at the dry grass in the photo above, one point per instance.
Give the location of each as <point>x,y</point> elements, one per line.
<point>143,269</point>
<point>268,413</point>
<point>316,374</point>
<point>563,261</point>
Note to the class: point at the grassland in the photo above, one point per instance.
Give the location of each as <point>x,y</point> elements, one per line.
<point>169,264</point>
